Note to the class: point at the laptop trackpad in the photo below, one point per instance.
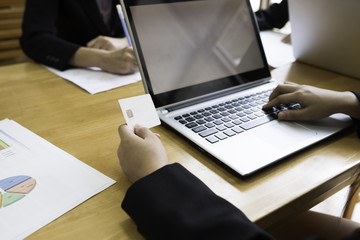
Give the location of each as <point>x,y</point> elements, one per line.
<point>285,134</point>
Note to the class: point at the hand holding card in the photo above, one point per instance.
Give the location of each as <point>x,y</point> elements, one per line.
<point>139,110</point>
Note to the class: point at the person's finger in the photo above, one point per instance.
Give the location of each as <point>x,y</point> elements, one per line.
<point>105,47</point>
<point>128,55</point>
<point>134,68</point>
<point>291,83</point>
<point>127,69</point>
<point>291,115</point>
<point>109,47</point>
<point>129,51</point>
<point>100,44</point>
<point>130,65</point>
<point>282,89</point>
<point>96,45</point>
<point>276,92</point>
<point>91,42</point>
<point>282,99</point>
<point>143,132</point>
<point>125,131</point>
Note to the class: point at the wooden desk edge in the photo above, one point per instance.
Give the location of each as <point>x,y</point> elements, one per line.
<point>298,205</point>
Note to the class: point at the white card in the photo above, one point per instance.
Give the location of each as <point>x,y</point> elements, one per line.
<point>139,110</point>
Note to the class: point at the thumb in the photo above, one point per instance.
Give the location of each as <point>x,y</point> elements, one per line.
<point>143,132</point>
<point>91,42</point>
<point>125,131</point>
<point>290,115</point>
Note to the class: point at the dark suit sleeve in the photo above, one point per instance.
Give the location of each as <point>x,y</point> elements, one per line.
<point>357,121</point>
<point>275,17</point>
<point>171,203</point>
<point>39,40</point>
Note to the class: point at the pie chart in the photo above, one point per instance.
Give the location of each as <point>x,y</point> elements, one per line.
<point>13,189</point>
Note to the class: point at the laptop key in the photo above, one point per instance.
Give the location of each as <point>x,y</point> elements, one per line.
<point>212,139</point>
<point>208,132</point>
<point>225,119</point>
<point>229,133</point>
<point>209,119</point>
<point>259,114</point>
<point>221,136</point>
<point>245,119</point>
<point>210,125</point>
<point>295,106</point>
<point>256,122</point>
<point>237,129</point>
<point>216,116</point>
<point>252,116</point>
<point>229,125</point>
<point>248,111</point>
<point>190,119</point>
<point>221,128</point>
<point>237,122</point>
<point>241,114</point>
<point>218,122</point>
<point>199,129</point>
<point>191,125</point>
<point>233,117</point>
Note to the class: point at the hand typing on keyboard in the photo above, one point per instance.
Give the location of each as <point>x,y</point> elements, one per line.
<point>274,111</point>
<point>313,103</point>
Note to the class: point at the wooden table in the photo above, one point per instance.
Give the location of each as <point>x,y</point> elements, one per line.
<point>86,125</point>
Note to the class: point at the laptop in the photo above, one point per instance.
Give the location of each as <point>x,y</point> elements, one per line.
<point>324,34</point>
<point>204,66</point>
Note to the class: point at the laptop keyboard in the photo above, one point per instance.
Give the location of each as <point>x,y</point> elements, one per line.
<point>226,119</point>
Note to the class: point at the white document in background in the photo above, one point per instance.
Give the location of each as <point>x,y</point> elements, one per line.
<point>39,182</point>
<point>277,53</point>
<point>95,80</point>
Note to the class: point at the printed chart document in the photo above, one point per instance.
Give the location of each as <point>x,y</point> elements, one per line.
<point>39,182</point>
<point>95,80</point>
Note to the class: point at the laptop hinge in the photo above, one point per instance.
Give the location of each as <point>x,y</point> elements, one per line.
<point>214,96</point>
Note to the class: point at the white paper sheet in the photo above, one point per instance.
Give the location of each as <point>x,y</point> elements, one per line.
<point>50,181</point>
<point>94,80</point>
<point>277,53</point>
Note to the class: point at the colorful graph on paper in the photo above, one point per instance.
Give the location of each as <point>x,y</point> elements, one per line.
<point>13,189</point>
<point>3,145</point>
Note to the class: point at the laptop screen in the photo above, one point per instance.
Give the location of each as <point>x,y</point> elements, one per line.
<point>192,48</point>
